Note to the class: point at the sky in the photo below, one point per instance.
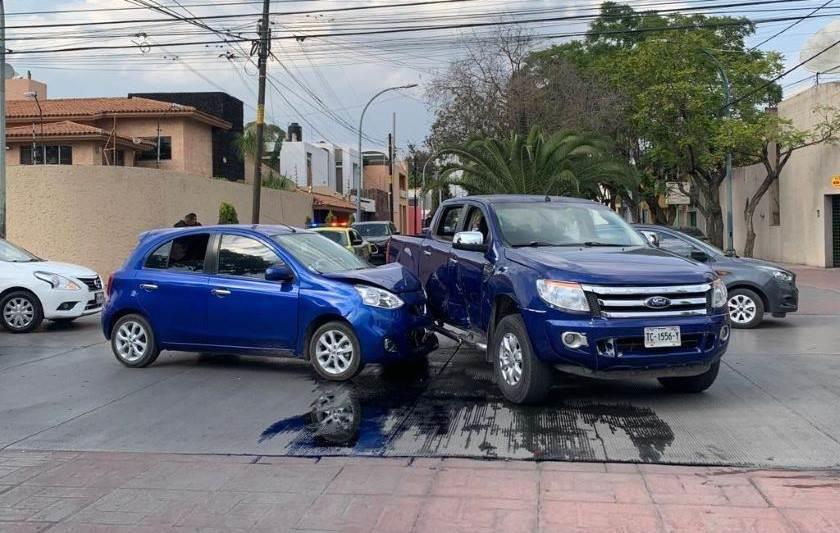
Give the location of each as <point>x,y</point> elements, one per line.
<point>320,81</point>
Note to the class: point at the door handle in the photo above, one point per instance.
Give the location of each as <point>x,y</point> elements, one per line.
<point>221,293</point>
<point>453,260</point>
<point>427,252</point>
<point>148,287</point>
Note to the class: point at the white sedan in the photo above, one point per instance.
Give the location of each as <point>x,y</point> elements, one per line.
<point>32,289</point>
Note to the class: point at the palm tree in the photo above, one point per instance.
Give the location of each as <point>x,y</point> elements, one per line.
<point>246,142</point>
<point>564,164</point>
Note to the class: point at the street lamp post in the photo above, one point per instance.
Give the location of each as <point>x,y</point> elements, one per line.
<point>361,160</point>
<point>34,95</point>
<point>730,245</point>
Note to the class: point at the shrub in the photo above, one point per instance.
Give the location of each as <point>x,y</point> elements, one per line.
<point>227,214</point>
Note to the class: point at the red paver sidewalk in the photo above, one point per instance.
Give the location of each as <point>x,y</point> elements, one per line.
<point>98,492</point>
<point>821,278</point>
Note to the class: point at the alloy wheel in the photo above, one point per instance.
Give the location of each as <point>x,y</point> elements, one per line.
<point>510,359</point>
<point>131,341</point>
<point>19,313</point>
<point>742,309</point>
<point>334,352</point>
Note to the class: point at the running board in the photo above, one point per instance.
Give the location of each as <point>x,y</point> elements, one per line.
<point>461,336</point>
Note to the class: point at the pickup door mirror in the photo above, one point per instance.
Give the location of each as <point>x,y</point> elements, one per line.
<point>699,255</point>
<point>279,273</point>
<point>651,237</point>
<point>471,241</point>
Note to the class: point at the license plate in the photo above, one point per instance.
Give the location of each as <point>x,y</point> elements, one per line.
<point>99,297</point>
<point>662,337</point>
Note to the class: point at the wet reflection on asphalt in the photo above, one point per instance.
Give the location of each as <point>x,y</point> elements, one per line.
<point>453,408</point>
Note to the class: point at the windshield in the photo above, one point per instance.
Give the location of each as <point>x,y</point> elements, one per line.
<point>14,254</point>
<point>335,236</point>
<point>563,224</point>
<point>319,254</point>
<point>372,230</point>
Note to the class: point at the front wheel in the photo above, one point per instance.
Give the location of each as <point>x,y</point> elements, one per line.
<point>334,352</point>
<point>21,312</point>
<point>746,309</point>
<point>522,377</point>
<point>692,384</point>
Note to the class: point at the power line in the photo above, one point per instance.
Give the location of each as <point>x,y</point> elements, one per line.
<point>786,28</point>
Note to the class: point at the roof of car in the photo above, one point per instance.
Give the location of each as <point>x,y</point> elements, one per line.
<point>265,229</point>
<point>370,222</point>
<point>521,198</point>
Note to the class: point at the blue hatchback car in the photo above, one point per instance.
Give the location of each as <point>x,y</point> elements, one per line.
<point>270,290</point>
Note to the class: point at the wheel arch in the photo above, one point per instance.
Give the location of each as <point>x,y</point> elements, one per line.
<point>753,288</point>
<point>313,325</point>
<point>503,305</point>
<point>108,323</point>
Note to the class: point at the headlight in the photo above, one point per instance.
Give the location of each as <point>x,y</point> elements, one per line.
<point>563,295</point>
<point>783,276</point>
<point>719,294</point>
<point>376,297</point>
<point>57,282</point>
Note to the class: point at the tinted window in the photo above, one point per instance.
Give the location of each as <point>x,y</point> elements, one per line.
<point>674,245</point>
<point>449,222</point>
<point>476,222</point>
<point>372,230</point>
<point>243,256</point>
<point>152,154</point>
<point>335,236</point>
<point>184,254</point>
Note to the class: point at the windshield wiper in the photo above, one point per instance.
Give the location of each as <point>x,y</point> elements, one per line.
<point>536,244</point>
<point>595,243</point>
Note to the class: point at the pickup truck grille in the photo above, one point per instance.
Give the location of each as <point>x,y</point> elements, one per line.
<point>648,302</point>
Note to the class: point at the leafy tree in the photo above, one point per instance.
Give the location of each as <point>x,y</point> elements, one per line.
<point>770,142</point>
<point>246,142</point>
<point>566,164</point>
<point>227,214</point>
<point>674,113</point>
<point>330,218</point>
<point>276,181</point>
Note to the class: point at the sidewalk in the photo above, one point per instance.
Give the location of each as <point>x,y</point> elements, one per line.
<point>821,278</point>
<point>98,492</point>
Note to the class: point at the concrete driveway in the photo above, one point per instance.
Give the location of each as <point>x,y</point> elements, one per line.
<point>774,404</point>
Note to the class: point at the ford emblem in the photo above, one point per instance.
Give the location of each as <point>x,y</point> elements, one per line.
<point>657,302</point>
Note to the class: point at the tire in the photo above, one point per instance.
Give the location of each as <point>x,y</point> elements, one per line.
<point>334,352</point>
<point>133,341</point>
<point>21,312</point>
<point>521,376</point>
<point>746,308</point>
<point>692,384</point>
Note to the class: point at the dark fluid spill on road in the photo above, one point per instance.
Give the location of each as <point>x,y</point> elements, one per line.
<point>460,412</point>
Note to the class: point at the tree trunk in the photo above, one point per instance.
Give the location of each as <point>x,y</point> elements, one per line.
<point>749,211</point>
<point>714,217</point>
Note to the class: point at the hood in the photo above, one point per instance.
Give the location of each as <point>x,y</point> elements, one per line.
<point>756,262</point>
<point>378,240</point>
<point>612,266</point>
<point>393,277</point>
<point>54,267</point>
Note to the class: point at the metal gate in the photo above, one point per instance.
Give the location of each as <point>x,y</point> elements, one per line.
<point>835,229</point>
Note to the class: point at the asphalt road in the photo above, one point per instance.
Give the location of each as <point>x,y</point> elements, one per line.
<point>776,403</point>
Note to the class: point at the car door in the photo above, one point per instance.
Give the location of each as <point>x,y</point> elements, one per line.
<point>471,271</point>
<point>244,310</point>
<point>171,290</point>
<point>360,247</point>
<point>435,267</point>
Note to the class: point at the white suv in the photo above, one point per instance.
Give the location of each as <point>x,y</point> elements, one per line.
<point>32,290</point>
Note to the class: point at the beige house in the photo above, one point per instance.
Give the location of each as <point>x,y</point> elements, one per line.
<point>798,219</point>
<point>107,131</point>
<point>378,183</point>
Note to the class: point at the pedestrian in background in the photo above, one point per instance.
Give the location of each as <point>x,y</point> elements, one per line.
<point>191,219</point>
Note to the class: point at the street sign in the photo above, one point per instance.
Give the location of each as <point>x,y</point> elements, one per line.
<point>835,181</point>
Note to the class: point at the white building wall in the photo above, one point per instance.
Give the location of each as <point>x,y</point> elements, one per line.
<point>293,157</point>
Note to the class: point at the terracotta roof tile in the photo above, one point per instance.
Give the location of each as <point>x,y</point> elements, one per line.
<point>93,108</point>
<point>63,128</point>
<point>328,200</point>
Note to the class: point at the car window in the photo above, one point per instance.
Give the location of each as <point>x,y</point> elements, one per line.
<point>476,222</point>
<point>184,254</point>
<point>449,222</point>
<point>246,257</point>
<point>674,245</point>
<point>392,228</point>
<point>339,237</point>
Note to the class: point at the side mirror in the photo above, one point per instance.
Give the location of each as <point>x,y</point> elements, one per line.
<point>652,238</point>
<point>395,233</point>
<point>280,273</point>
<point>471,241</point>
<point>699,255</point>
<point>426,232</point>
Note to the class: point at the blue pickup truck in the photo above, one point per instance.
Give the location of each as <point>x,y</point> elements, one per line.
<point>545,283</point>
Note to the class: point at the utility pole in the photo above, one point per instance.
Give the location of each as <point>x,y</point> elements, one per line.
<point>3,123</point>
<point>395,196</point>
<point>262,62</point>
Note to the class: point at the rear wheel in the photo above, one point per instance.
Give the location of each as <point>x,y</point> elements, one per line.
<point>21,312</point>
<point>746,308</point>
<point>692,383</point>
<point>522,377</point>
<point>133,341</point>
<point>334,352</point>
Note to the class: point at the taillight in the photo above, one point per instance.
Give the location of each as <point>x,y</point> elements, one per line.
<point>110,284</point>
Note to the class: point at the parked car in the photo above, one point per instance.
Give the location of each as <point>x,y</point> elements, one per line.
<point>755,287</point>
<point>549,283</point>
<point>264,290</point>
<point>33,289</point>
<point>377,233</point>
<point>348,238</point>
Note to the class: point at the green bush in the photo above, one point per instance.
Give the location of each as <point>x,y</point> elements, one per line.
<point>330,218</point>
<point>227,214</point>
